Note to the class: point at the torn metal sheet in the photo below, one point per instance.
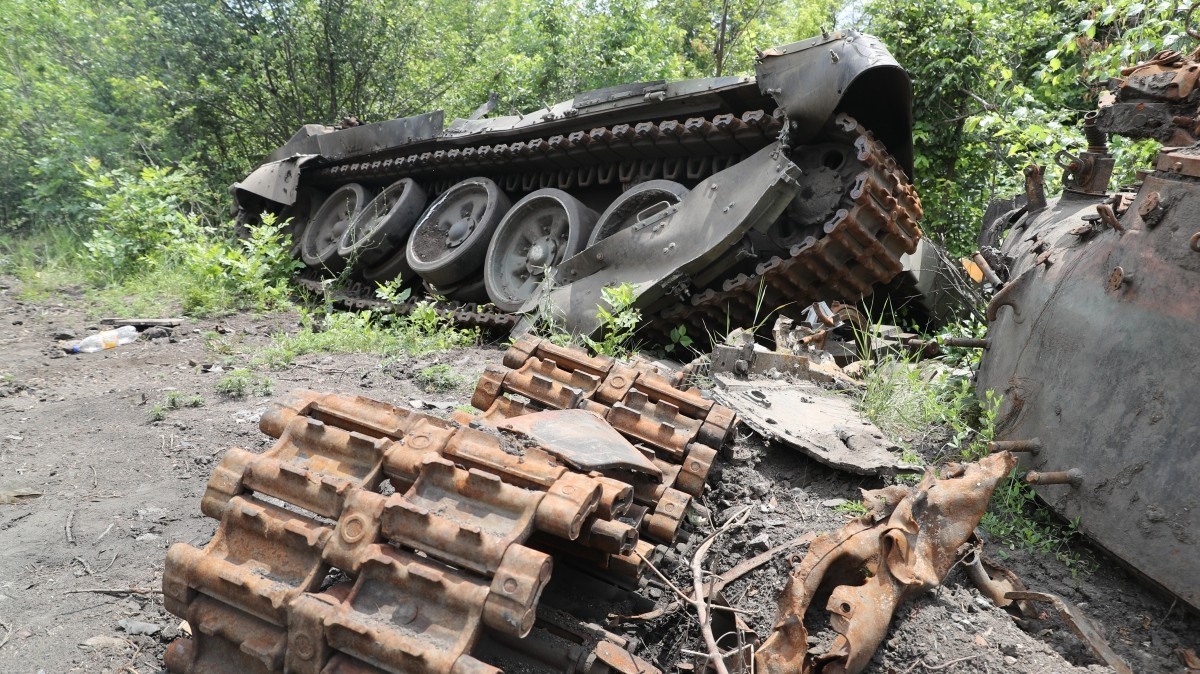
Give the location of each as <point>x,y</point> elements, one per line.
<point>815,421</point>
<point>904,545</point>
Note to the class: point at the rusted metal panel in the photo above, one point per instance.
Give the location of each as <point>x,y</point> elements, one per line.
<point>1085,338</point>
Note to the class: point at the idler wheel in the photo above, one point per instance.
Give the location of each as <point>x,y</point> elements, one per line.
<point>638,203</point>
<point>384,223</point>
<point>540,231</point>
<point>325,230</point>
<point>451,239</point>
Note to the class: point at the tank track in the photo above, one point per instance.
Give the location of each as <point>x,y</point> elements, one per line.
<point>861,246</point>
<point>875,222</point>
<point>622,154</point>
<point>449,570</point>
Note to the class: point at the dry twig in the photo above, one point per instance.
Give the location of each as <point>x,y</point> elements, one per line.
<point>753,563</point>
<point>934,668</point>
<point>86,567</point>
<point>702,603</point>
<point>114,561</point>
<point>8,630</point>
<point>115,591</point>
<point>93,475</point>
<point>70,521</point>
<point>108,529</point>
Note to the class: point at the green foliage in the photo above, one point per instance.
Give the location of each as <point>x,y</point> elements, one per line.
<point>439,378</point>
<point>1016,520</point>
<point>679,339</point>
<point>135,216</point>
<point>148,249</point>
<point>855,508</point>
<point>909,398</point>
<point>176,400</point>
<point>618,321</point>
<point>1001,85</point>
<point>158,413</point>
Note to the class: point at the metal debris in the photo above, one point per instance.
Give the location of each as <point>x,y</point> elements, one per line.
<point>904,545</point>
<point>819,423</point>
<point>1095,315</point>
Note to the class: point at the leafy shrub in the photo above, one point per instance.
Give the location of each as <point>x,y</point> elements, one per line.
<point>618,321</point>
<point>136,216</point>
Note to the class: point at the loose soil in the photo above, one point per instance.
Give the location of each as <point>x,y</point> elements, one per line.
<point>118,488</point>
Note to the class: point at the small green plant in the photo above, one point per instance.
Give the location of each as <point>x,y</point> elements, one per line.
<point>618,321</point>
<point>158,413</point>
<point>176,400</point>
<point>235,384</point>
<point>393,291</point>
<point>421,332</point>
<point>679,339</point>
<point>856,508</point>
<point>1017,521</point>
<point>438,378</point>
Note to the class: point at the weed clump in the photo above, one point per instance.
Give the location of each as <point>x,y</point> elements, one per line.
<point>421,332</point>
<point>439,378</point>
<point>238,383</point>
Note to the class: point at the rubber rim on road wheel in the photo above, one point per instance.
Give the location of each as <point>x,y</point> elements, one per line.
<point>383,224</point>
<point>320,247</point>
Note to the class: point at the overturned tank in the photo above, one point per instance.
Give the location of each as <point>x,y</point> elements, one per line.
<point>1092,333</point>
<point>718,199</point>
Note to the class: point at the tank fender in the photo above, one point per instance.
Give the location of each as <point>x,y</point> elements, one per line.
<point>275,180</point>
<point>843,71</point>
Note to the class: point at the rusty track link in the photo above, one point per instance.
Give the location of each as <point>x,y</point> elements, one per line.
<point>860,246</point>
<point>462,547</point>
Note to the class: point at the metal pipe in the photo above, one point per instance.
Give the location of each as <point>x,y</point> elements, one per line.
<point>1035,188</point>
<point>1097,140</point>
<point>967,342</point>
<point>988,274</point>
<point>1032,446</point>
<point>1073,477</point>
<point>1109,217</point>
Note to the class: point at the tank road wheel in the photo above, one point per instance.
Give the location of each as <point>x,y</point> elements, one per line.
<point>450,241</point>
<point>471,292</point>
<point>320,246</point>
<point>384,224</point>
<point>308,202</point>
<point>390,268</point>
<point>637,203</point>
<point>540,231</point>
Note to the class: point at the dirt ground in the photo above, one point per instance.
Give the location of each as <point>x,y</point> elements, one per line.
<point>118,488</point>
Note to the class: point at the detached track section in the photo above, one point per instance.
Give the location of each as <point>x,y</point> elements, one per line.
<point>461,551</point>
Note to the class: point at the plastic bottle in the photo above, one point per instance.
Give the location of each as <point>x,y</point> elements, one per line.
<point>107,339</point>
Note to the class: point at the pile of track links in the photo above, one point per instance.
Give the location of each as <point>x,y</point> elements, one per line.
<point>319,566</point>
